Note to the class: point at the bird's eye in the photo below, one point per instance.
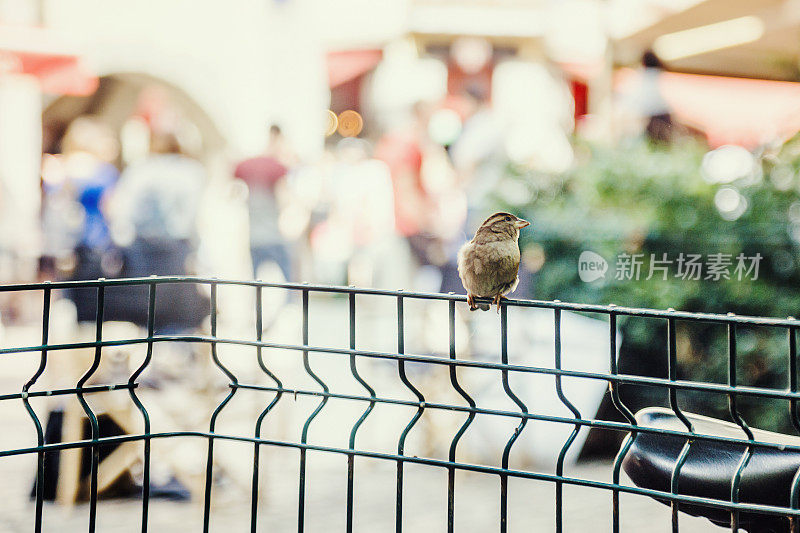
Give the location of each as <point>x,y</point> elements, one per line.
<point>508,219</point>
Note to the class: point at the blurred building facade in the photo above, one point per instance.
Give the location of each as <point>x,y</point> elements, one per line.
<point>228,70</point>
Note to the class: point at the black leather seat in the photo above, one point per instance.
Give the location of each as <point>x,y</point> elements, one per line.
<point>710,467</point>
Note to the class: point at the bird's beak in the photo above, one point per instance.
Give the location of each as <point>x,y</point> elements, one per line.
<point>521,223</point>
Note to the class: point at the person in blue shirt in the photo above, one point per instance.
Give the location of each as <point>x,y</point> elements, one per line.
<point>75,226</point>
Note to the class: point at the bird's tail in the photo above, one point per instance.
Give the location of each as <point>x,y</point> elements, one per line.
<point>482,307</point>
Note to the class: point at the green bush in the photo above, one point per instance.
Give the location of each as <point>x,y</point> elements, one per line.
<point>642,199</point>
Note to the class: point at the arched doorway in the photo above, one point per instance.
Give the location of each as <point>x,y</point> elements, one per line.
<point>121,96</point>
<point>148,104</point>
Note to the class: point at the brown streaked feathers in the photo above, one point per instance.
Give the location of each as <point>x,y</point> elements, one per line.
<point>488,265</point>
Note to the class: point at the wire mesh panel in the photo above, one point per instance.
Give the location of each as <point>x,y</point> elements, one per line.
<point>723,470</point>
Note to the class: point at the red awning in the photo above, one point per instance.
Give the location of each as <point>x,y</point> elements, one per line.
<point>346,65</point>
<point>57,74</point>
<point>42,53</point>
<point>741,111</point>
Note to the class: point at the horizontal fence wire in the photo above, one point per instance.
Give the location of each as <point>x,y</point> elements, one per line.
<point>278,390</point>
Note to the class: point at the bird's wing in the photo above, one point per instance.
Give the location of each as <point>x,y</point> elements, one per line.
<point>468,260</point>
<point>502,258</point>
<point>506,277</point>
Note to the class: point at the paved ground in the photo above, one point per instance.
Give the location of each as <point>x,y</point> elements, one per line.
<point>187,399</point>
<point>477,504</point>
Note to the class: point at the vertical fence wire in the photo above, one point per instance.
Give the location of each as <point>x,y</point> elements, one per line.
<point>304,435</point>
<point>672,370</point>
<point>39,486</point>
<point>213,422</point>
<point>151,317</point>
<point>401,443</point>
<point>623,409</point>
<point>95,427</point>
<point>523,420</point>
<point>575,412</point>
<point>794,496</point>
<point>259,422</point>
<point>451,471</point>
<point>734,412</point>
<point>357,425</point>
<point>794,415</point>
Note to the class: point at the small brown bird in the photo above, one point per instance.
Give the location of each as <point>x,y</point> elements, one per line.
<point>488,265</point>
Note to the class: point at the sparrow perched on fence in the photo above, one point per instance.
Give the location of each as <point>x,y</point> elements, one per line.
<point>488,265</point>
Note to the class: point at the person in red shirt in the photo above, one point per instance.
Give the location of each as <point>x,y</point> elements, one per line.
<point>402,150</point>
<point>264,176</point>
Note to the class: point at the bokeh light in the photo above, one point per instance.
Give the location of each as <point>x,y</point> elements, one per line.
<point>727,164</point>
<point>350,123</point>
<point>444,127</point>
<point>730,203</point>
<point>331,123</point>
<point>472,53</point>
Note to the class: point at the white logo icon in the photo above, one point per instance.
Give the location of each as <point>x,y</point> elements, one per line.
<point>591,266</point>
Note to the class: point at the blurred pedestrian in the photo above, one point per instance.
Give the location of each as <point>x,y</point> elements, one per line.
<point>646,104</point>
<point>154,211</point>
<point>479,157</point>
<point>265,179</point>
<point>403,149</point>
<point>362,206</point>
<point>659,119</point>
<point>76,187</point>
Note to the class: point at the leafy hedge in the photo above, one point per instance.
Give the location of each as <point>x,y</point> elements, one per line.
<point>641,199</point>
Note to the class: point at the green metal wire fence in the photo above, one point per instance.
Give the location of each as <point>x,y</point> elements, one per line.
<point>787,509</point>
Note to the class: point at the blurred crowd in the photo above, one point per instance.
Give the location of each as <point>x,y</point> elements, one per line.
<point>388,210</point>
<point>386,207</point>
